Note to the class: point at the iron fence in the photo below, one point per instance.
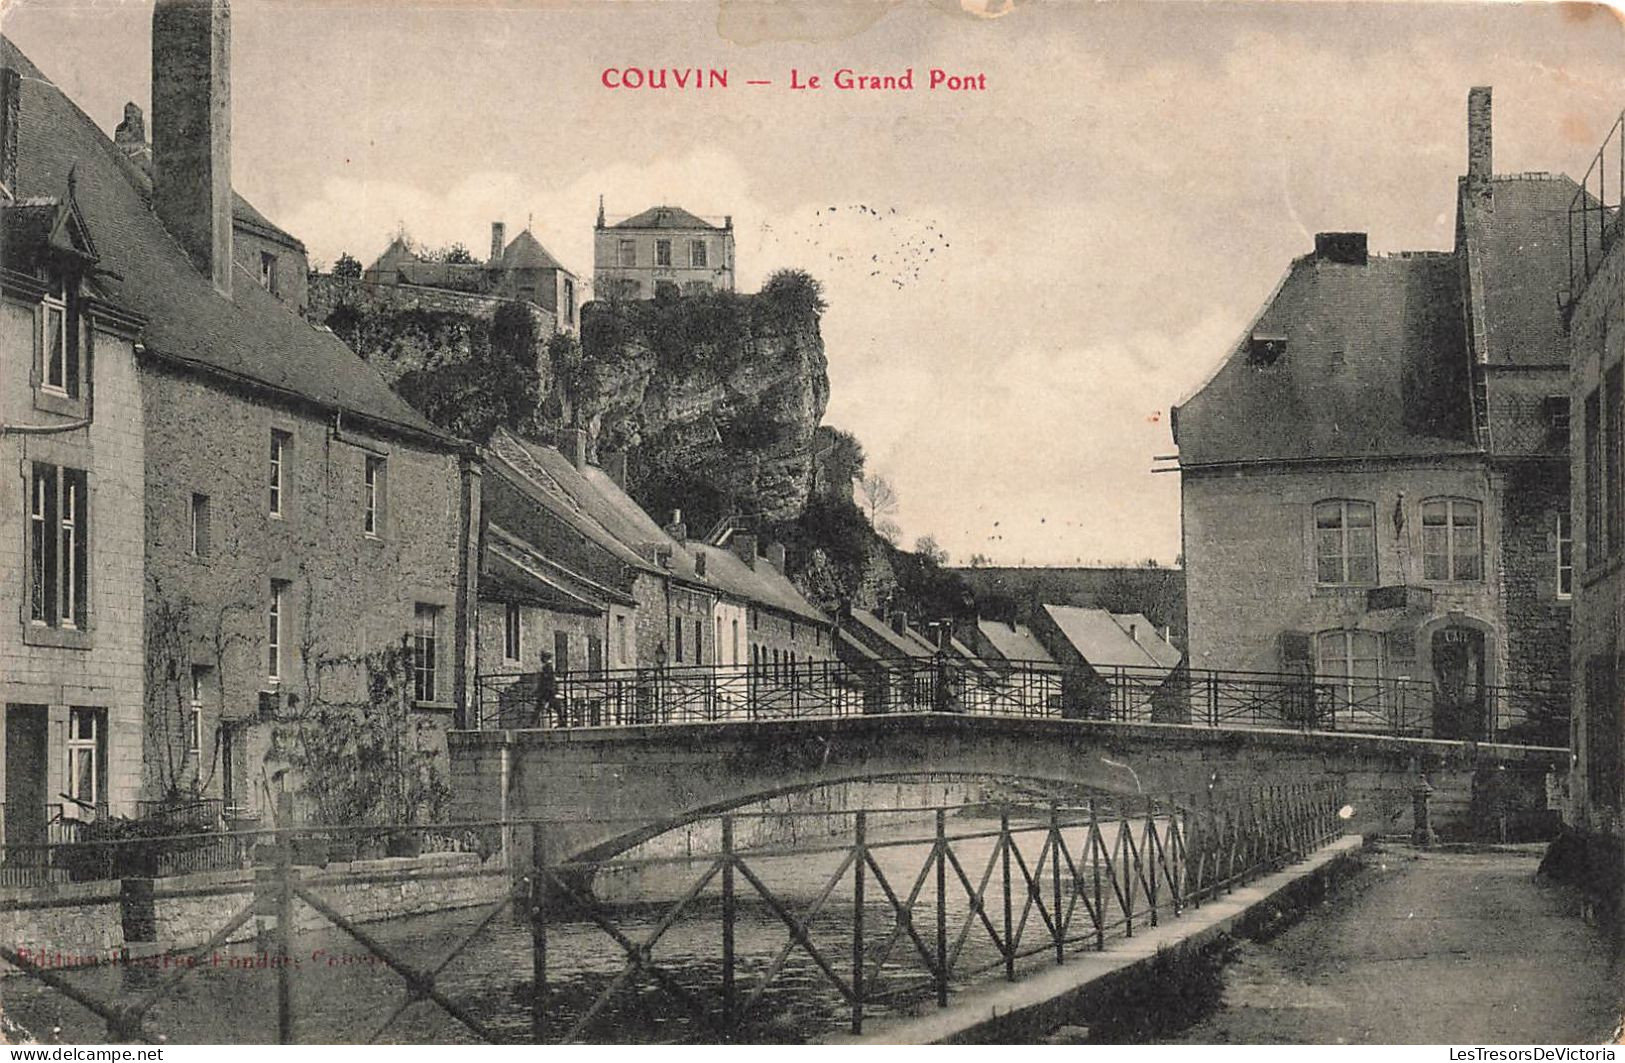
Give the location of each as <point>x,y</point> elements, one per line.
<point>895,919</point>
<point>1535,714</point>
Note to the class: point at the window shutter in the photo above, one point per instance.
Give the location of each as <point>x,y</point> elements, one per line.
<point>1295,647</point>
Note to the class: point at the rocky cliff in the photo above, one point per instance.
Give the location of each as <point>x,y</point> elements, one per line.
<point>714,398</point>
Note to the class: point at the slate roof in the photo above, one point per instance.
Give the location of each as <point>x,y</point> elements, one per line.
<point>878,635</point>
<point>252,337</point>
<point>664,218</point>
<point>1013,642</point>
<point>1375,365</point>
<point>505,578</point>
<point>526,252</point>
<point>1517,245</point>
<point>1164,653</point>
<point>763,584</point>
<point>534,482</point>
<point>1103,640</point>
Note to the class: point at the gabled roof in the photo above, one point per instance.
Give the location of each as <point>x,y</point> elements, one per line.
<point>1374,365</point>
<point>253,337</point>
<point>1104,641</point>
<point>878,635</point>
<point>664,218</point>
<point>762,583</point>
<point>1516,237</point>
<point>518,469</point>
<point>1164,653</point>
<point>526,252</point>
<point>1013,642</point>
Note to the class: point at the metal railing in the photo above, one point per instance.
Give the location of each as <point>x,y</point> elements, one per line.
<point>901,918</point>
<point>1594,212</point>
<point>1533,714</point>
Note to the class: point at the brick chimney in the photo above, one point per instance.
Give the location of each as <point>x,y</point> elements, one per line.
<point>775,555</point>
<point>191,130</point>
<point>10,108</point>
<point>1349,249</point>
<point>744,544</point>
<point>499,240</point>
<point>899,621</point>
<point>131,135</point>
<point>677,529</point>
<point>1480,158</point>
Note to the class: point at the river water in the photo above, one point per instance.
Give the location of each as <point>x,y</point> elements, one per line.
<point>344,994</point>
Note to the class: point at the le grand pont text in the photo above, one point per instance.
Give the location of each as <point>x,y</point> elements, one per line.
<point>702,79</point>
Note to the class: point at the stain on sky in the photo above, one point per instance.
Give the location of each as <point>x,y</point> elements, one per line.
<point>887,246</point>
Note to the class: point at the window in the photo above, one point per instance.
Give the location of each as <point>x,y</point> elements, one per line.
<point>629,252</point>
<point>200,525</point>
<point>194,721</point>
<point>1452,547</point>
<point>1556,409</point>
<point>279,461</point>
<point>595,654</point>
<point>1604,773</point>
<point>662,252</point>
<point>57,368</point>
<point>735,658</point>
<point>372,511</point>
<point>699,645</point>
<point>569,301</point>
<point>1263,351</point>
<point>1352,663</point>
<point>696,253</point>
<point>561,651</point>
<point>665,290</point>
<point>1596,549</point>
<point>1565,556</point>
<point>425,645</point>
<point>625,631</point>
<point>275,618</point>
<point>84,748</point>
<point>268,271</point>
<point>58,546</point>
<point>510,633</point>
<point>679,627</point>
<point>1345,542</point>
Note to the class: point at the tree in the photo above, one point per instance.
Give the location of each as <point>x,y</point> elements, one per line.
<point>348,267</point>
<point>980,561</point>
<point>879,499</point>
<point>837,461</point>
<point>889,531</point>
<point>926,546</point>
<point>496,386</point>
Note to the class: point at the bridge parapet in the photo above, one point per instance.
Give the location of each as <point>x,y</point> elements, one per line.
<point>613,787</point>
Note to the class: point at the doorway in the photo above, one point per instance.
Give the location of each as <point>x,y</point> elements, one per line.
<point>26,762</point>
<point>1458,683</point>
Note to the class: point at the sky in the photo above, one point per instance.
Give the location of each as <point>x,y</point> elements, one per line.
<point>1022,279</point>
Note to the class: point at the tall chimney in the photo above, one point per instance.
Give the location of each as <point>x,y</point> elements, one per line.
<point>10,107</point>
<point>677,529</point>
<point>499,240</point>
<point>1480,159</point>
<point>131,134</point>
<point>744,544</point>
<point>575,446</point>
<point>614,465</point>
<point>775,555</point>
<point>191,130</point>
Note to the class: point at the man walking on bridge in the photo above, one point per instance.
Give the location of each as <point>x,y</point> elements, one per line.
<point>547,696</point>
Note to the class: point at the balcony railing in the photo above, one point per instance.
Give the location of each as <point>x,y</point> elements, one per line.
<point>1594,212</point>
<point>1533,715</point>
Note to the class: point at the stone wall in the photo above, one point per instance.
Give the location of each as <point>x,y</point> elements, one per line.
<point>85,919</point>
<point>1537,620</point>
<point>347,593</point>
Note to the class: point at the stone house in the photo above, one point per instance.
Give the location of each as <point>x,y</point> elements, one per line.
<point>520,269</point>
<point>662,250</point>
<point>573,566</point>
<point>301,517</point>
<point>1374,482</point>
<point>1596,812</point>
<point>72,445</point>
<point>1114,665</point>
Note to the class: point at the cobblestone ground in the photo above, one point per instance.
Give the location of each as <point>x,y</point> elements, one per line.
<point>1427,947</point>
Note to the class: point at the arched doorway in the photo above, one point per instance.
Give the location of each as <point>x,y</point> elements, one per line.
<point>1460,682</point>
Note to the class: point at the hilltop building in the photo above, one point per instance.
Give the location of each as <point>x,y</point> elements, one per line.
<point>518,269</point>
<point>1375,480</point>
<point>661,251</point>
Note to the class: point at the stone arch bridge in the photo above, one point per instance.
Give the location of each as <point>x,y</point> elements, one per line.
<point>605,789</point>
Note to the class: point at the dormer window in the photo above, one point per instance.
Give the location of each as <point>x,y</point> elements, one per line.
<point>268,271</point>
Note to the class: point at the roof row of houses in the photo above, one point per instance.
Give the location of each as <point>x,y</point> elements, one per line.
<point>220,515</point>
